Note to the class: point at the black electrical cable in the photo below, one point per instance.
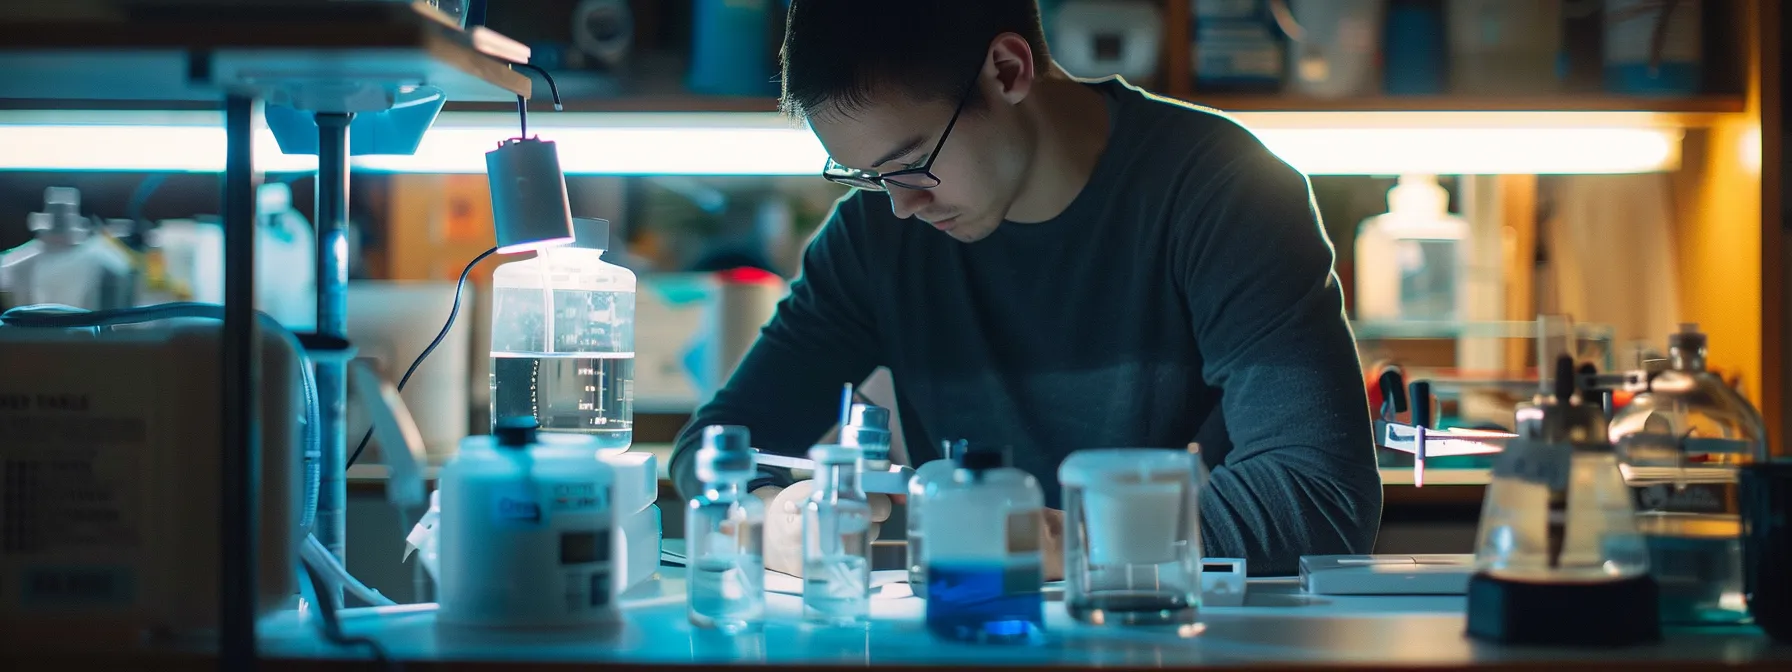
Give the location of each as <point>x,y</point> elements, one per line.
<point>522,104</point>
<point>452,312</point>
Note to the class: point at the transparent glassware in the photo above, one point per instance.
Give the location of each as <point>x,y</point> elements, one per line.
<point>985,565</point>
<point>1558,510</point>
<point>571,367</point>
<point>932,472</point>
<point>836,541</point>
<point>725,526</point>
<point>1681,444</point>
<point>1132,547</point>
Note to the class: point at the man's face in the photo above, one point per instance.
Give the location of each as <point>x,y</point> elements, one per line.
<point>980,166</point>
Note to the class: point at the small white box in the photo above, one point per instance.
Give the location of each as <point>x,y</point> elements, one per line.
<point>1222,582</point>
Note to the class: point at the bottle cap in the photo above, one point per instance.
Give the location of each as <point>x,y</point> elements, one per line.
<point>983,458</point>
<point>867,425</point>
<point>515,432</point>
<point>1688,338</point>
<point>727,451</point>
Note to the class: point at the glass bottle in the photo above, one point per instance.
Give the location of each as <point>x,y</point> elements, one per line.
<point>725,524</point>
<point>1558,510</point>
<point>985,563</point>
<point>1681,443</point>
<point>932,472</point>
<point>571,367</point>
<point>836,541</point>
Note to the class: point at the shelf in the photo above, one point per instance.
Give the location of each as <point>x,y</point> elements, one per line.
<point>1561,103</point>
<point>194,52</point>
<point>1695,106</point>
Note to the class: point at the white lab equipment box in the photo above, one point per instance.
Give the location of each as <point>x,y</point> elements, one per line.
<point>109,504</point>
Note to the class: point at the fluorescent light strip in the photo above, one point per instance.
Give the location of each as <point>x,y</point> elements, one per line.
<point>1318,143</point>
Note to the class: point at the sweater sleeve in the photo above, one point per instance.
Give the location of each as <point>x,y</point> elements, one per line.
<point>786,390</point>
<point>1256,266</point>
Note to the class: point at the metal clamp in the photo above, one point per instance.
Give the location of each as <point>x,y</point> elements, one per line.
<point>891,481</point>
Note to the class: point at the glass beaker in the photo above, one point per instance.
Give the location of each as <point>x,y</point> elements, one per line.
<point>1132,543</point>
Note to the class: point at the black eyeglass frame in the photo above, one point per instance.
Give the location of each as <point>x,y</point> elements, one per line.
<point>863,179</point>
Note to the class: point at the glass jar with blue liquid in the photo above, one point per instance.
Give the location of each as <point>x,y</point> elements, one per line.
<point>985,561</point>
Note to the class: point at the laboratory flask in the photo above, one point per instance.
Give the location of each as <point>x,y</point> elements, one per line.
<point>1558,557</point>
<point>1680,444</point>
<point>984,557</point>
<point>563,339</point>
<point>1132,540</point>
<point>528,533</point>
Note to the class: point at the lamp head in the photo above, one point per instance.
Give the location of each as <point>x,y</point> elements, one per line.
<point>529,206</point>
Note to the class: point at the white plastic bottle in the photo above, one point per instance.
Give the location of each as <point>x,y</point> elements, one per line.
<point>528,534</point>
<point>985,561</point>
<point>1411,263</point>
<point>725,526</point>
<point>572,367</point>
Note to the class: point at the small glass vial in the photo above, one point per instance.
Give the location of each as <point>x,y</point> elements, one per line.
<point>932,472</point>
<point>868,429</point>
<point>1132,547</point>
<point>985,565</point>
<point>836,541</point>
<point>727,580</point>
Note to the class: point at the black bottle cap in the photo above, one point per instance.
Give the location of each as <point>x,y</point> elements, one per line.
<point>515,432</point>
<point>983,458</point>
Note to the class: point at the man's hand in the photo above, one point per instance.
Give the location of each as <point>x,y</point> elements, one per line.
<point>784,523</point>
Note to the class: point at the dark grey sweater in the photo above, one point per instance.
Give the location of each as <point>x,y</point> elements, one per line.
<point>1186,294</point>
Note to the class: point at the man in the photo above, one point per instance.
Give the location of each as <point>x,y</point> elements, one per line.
<point>1054,264</point>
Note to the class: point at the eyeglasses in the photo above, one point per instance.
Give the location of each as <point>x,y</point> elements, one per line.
<point>919,177</point>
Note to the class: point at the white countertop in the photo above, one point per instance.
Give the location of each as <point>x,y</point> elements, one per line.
<point>1278,624</point>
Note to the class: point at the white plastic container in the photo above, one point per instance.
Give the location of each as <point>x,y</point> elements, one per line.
<point>528,534</point>
<point>571,368</point>
<point>1336,52</point>
<point>984,555</point>
<point>1411,262</point>
<point>932,472</point>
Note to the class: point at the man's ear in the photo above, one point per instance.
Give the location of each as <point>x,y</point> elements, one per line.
<point>1012,59</point>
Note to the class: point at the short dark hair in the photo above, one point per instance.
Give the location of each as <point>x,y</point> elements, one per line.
<point>837,52</point>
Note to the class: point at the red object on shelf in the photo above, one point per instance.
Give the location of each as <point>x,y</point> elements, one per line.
<point>747,275</point>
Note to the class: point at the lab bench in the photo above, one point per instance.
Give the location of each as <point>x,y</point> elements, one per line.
<point>1278,627</point>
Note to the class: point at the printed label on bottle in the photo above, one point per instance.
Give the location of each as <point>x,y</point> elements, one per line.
<point>72,469</point>
<point>1023,532</point>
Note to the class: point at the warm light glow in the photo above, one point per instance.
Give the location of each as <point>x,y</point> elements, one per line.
<point>534,245</point>
<point>1318,143</point>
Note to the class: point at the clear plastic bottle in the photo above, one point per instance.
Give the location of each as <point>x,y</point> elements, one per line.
<point>837,541</point>
<point>932,472</point>
<point>725,524</point>
<point>1411,262</point>
<point>985,563</point>
<point>1680,444</point>
<point>572,367</point>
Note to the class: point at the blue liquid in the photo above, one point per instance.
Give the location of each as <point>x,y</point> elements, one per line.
<point>986,603</point>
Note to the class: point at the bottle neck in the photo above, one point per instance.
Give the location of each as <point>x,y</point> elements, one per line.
<point>1686,359</point>
<point>838,478</point>
<point>570,253</point>
<point>726,489</point>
